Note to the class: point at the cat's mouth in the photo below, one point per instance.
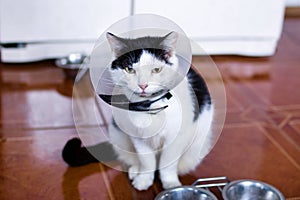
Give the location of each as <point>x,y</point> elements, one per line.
<point>147,95</point>
<point>144,94</point>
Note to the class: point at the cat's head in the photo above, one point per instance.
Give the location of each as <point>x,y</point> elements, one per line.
<point>143,67</point>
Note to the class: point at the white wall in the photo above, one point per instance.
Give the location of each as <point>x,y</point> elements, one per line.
<point>292,3</point>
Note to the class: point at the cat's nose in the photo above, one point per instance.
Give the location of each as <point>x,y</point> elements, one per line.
<point>143,86</point>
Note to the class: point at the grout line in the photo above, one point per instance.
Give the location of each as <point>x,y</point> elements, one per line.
<point>263,100</point>
<point>290,139</point>
<point>297,131</point>
<point>234,110</point>
<point>280,148</point>
<point>36,128</point>
<point>50,128</point>
<point>106,182</point>
<point>293,198</point>
<point>243,124</point>
<point>279,127</point>
<point>239,91</point>
<point>296,121</point>
<point>285,121</point>
<point>292,125</point>
<point>34,136</point>
<point>285,135</point>
<point>237,103</point>
<point>285,107</point>
<point>19,139</point>
<point>246,112</point>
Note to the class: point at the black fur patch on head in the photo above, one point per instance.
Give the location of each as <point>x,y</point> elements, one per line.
<point>127,59</point>
<point>132,50</point>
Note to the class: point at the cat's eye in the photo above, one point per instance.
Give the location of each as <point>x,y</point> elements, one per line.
<point>156,70</point>
<point>129,70</point>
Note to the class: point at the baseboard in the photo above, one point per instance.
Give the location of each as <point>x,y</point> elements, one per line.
<point>292,11</point>
<point>37,52</point>
<point>42,51</point>
<point>259,48</point>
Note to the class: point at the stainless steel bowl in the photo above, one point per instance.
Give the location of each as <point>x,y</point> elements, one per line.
<point>250,190</point>
<point>186,193</point>
<point>72,63</point>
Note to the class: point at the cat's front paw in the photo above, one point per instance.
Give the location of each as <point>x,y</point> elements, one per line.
<point>143,181</point>
<point>133,171</point>
<point>171,184</point>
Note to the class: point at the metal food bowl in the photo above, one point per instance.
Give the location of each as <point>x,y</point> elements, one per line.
<point>185,193</point>
<point>194,191</point>
<point>71,64</point>
<point>235,190</point>
<point>250,190</point>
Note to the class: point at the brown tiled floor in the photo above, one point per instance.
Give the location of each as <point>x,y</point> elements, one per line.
<point>260,139</point>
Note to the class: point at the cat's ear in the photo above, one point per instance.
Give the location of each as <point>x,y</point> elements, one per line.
<point>169,42</point>
<point>116,44</point>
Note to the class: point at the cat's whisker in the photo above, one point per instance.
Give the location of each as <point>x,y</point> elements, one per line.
<point>107,80</point>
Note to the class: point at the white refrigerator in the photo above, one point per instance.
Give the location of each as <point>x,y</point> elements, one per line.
<point>34,30</point>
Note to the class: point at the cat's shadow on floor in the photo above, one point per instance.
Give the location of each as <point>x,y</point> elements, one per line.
<point>120,185</point>
<point>72,177</point>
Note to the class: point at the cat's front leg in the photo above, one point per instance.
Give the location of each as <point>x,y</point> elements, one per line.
<point>169,176</point>
<point>147,167</point>
<point>168,165</point>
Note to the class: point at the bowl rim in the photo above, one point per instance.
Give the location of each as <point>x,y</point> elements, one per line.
<point>67,63</point>
<point>209,193</point>
<point>236,182</point>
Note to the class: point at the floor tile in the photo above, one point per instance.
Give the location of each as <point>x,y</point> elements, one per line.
<point>246,153</point>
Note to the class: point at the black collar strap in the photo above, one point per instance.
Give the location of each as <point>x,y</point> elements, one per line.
<point>121,101</point>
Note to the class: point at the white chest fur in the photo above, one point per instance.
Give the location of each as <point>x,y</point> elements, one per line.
<point>166,123</point>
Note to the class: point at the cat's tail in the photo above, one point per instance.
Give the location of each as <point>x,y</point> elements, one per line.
<point>76,155</point>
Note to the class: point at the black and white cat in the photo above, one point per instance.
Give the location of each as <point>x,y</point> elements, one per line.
<point>169,129</point>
